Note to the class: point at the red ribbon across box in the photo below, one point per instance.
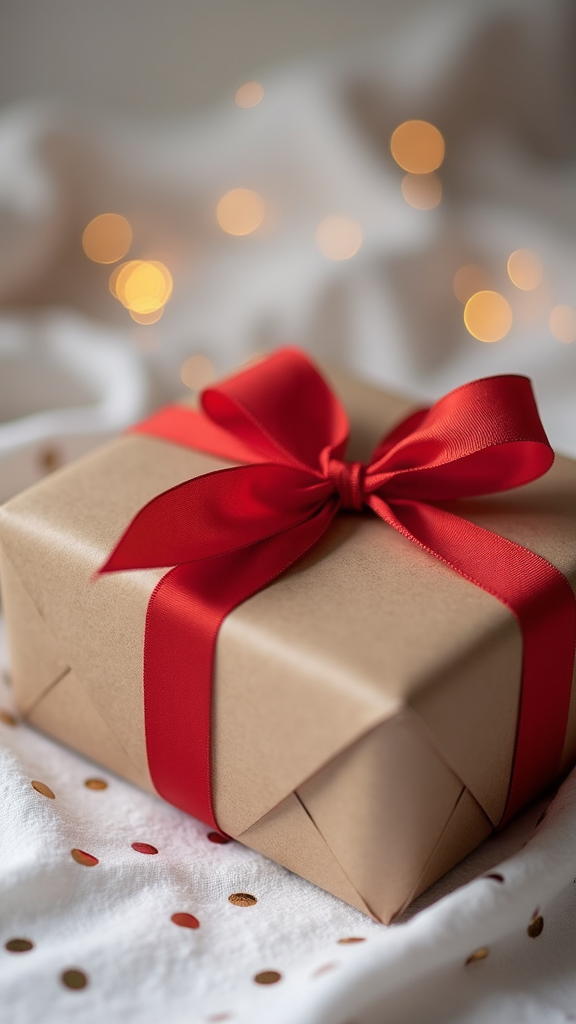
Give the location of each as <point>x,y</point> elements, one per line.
<point>231,532</point>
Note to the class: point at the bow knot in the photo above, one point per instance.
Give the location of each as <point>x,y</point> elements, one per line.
<point>348,479</point>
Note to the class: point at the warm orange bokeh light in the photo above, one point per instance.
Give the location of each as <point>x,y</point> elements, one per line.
<point>197,372</point>
<point>250,94</point>
<point>339,238</point>
<point>563,324</point>
<point>143,286</point>
<point>240,211</point>
<point>525,269</point>
<point>469,279</point>
<point>488,316</point>
<point>147,319</point>
<point>107,238</point>
<point>417,147</point>
<point>422,191</point>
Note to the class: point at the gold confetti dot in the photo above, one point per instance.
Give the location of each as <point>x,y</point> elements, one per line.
<point>267,977</point>
<point>8,719</point>
<point>18,945</point>
<point>338,237</point>
<point>488,316</point>
<point>562,324</point>
<point>495,876</point>
<point>86,859</point>
<point>479,954</point>
<point>525,269</point>
<point>42,788</point>
<point>242,899</point>
<point>422,191</point>
<point>240,212</point>
<point>107,238</point>
<point>417,146</point>
<point>469,279</point>
<point>536,926</point>
<point>249,95</point>
<point>96,784</point>
<point>351,940</point>
<point>49,459</point>
<point>74,979</point>
<point>197,372</point>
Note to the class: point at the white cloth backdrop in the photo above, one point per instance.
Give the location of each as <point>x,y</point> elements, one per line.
<point>500,84</point>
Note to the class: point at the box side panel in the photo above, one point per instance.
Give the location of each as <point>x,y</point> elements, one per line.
<point>288,836</point>
<point>382,806</point>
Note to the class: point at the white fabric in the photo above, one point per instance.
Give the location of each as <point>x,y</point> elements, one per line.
<point>500,85</point>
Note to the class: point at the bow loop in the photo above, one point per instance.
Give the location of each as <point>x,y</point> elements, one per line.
<point>282,408</point>
<point>483,437</point>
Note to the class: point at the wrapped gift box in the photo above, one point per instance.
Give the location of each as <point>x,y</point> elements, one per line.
<point>365,703</point>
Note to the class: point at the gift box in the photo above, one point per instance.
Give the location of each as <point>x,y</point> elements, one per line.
<point>368,705</point>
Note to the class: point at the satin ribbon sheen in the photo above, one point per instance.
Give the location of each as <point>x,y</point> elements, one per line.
<point>231,532</point>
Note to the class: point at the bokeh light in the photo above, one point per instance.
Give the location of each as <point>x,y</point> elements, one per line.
<point>107,238</point>
<point>147,319</point>
<point>197,372</point>
<point>250,94</point>
<point>240,211</point>
<point>563,324</point>
<point>469,279</point>
<point>488,316</point>
<point>525,269</point>
<point>339,238</point>
<point>143,286</point>
<point>417,147</point>
<point>422,191</point>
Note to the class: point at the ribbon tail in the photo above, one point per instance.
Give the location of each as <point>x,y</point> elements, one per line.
<point>184,616</point>
<point>544,605</point>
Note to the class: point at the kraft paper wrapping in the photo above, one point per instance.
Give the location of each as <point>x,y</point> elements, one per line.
<point>365,702</point>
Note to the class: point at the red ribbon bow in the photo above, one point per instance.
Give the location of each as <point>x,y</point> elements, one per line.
<point>231,532</point>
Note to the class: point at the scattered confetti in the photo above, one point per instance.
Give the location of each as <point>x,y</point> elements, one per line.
<point>185,920</point>
<point>242,899</point>
<point>267,977</point>
<point>536,926</point>
<point>144,848</point>
<point>74,979</point>
<point>86,859</point>
<point>217,838</point>
<point>96,784</point>
<point>18,945</point>
<point>42,788</point>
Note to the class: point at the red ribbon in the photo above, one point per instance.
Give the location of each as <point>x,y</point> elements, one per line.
<point>231,532</point>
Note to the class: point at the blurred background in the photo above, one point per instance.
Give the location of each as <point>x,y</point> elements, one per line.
<point>389,183</point>
<point>144,58</point>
